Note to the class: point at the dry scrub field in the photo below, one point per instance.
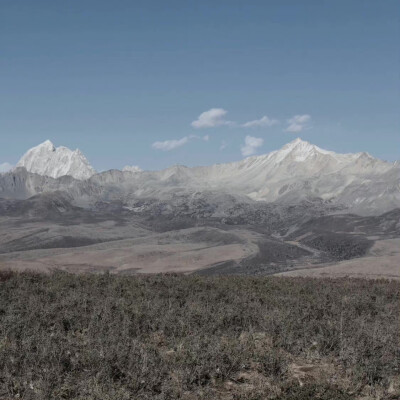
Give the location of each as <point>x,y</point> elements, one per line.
<point>110,337</point>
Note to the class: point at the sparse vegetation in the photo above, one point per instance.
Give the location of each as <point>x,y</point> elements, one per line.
<point>192,337</point>
<point>338,245</point>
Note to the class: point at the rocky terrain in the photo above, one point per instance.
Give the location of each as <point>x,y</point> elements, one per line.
<point>295,208</point>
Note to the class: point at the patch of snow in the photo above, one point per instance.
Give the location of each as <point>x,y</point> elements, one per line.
<point>46,159</point>
<point>5,167</point>
<point>132,168</point>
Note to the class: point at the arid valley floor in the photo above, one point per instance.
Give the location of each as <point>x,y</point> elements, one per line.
<point>47,233</point>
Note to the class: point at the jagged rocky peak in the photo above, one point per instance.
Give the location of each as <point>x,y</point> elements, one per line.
<point>46,159</point>
<point>301,150</point>
<point>298,144</point>
<point>47,145</point>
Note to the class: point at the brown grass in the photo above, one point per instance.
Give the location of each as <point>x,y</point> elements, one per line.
<point>189,337</point>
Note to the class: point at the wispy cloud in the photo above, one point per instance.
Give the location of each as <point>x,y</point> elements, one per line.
<point>262,122</point>
<point>217,117</point>
<point>250,146</point>
<point>224,145</point>
<point>297,123</point>
<point>211,118</point>
<point>172,144</point>
<point>4,167</point>
<point>168,145</point>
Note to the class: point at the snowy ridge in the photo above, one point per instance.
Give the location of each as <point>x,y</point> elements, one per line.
<point>5,167</point>
<point>48,160</point>
<point>131,168</point>
<point>298,172</point>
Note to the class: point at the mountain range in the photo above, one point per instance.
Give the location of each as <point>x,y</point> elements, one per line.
<point>294,210</point>
<point>298,172</point>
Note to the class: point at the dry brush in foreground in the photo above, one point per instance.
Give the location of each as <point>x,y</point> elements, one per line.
<point>192,337</point>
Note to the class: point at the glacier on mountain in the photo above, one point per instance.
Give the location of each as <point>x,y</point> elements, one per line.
<point>48,160</point>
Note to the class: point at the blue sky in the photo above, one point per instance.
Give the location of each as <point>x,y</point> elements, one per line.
<point>125,81</point>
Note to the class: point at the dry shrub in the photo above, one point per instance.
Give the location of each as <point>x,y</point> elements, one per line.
<point>171,336</point>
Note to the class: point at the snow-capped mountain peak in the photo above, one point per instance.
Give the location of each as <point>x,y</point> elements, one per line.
<point>46,145</point>
<point>300,150</point>
<point>298,171</point>
<point>46,159</point>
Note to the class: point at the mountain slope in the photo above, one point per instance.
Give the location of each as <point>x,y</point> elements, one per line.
<point>298,172</point>
<point>46,159</point>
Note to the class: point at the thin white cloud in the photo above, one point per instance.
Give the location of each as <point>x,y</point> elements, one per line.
<point>206,138</point>
<point>297,123</point>
<point>211,118</point>
<point>250,146</point>
<point>262,122</point>
<point>172,144</point>
<point>5,167</point>
<point>224,145</point>
<point>168,145</point>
